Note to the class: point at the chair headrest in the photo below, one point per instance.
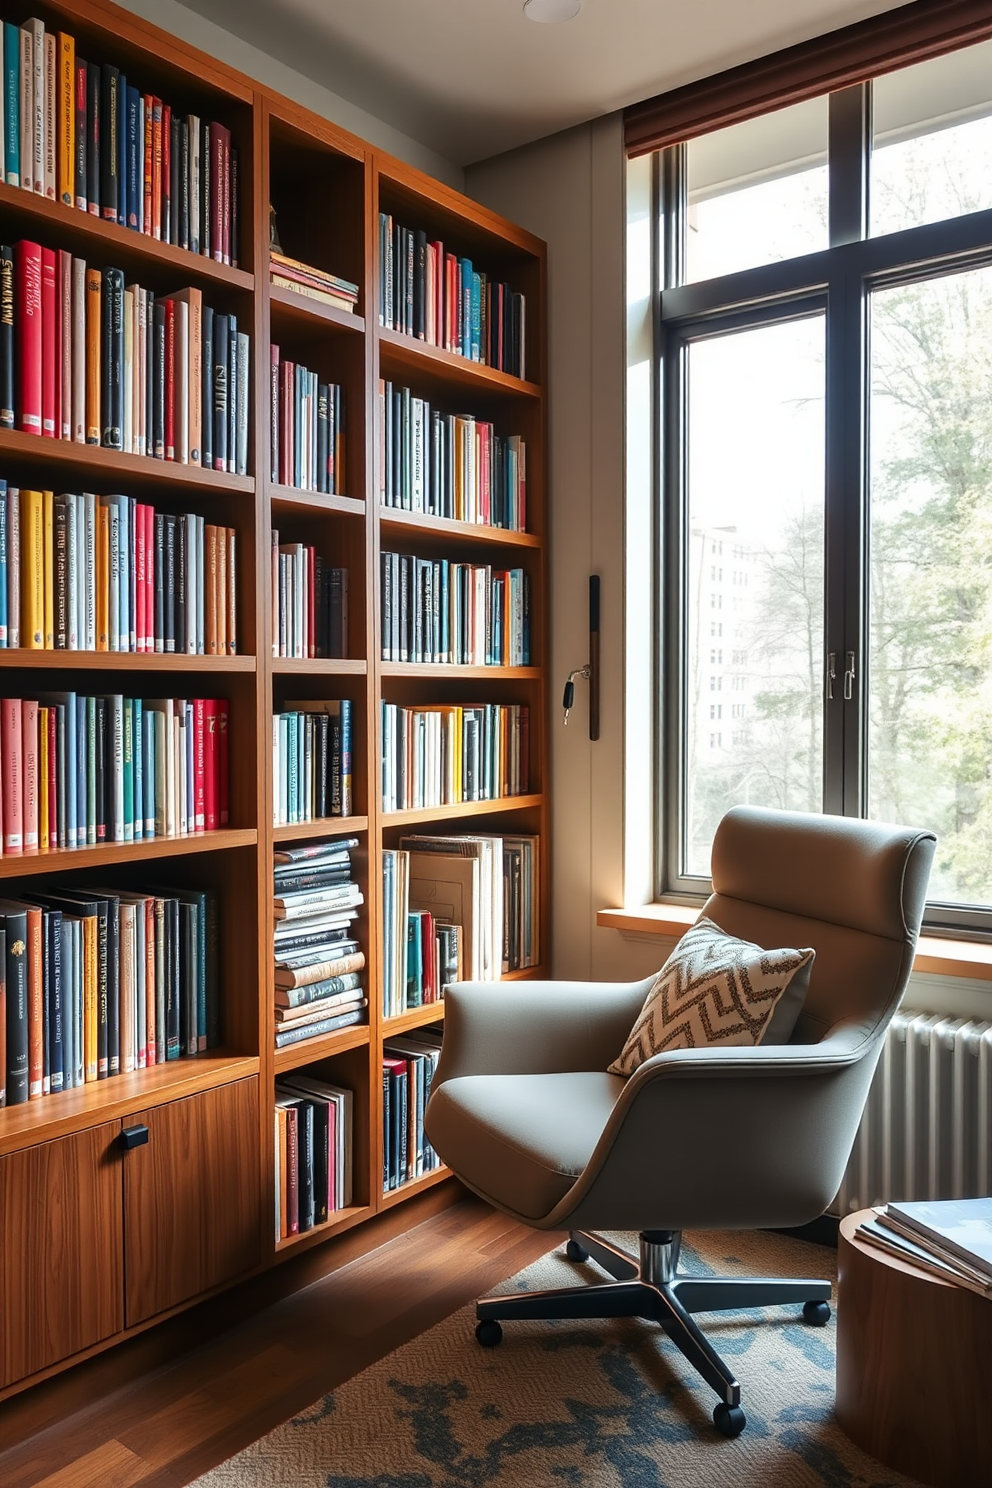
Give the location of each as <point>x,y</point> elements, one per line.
<point>870,876</point>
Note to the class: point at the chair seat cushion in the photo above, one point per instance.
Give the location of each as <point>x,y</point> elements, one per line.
<point>521,1140</point>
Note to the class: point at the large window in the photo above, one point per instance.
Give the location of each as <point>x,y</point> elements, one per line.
<point>824,473</point>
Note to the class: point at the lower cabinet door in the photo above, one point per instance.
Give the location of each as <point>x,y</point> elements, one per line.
<point>191,1197</point>
<point>61,1272</point>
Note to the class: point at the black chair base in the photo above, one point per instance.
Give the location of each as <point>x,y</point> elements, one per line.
<point>649,1287</point>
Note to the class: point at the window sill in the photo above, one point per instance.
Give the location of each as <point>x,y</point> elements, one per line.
<point>939,957</point>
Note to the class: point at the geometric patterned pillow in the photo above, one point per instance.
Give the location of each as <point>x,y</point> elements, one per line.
<point>717,990</point>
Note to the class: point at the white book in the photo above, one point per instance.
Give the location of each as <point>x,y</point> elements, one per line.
<point>89,568</point>
<point>114,573</point>
<point>65,305</point>
<point>116,728</point>
<point>128,434</point>
<point>244,354</point>
<point>201,600</point>
<point>50,105</point>
<point>182,389</point>
<point>79,350</point>
<point>26,76</point>
<point>140,381</point>
<point>72,572</point>
<point>38,131</point>
<point>417,453</point>
<point>194,188</point>
<point>128,989</point>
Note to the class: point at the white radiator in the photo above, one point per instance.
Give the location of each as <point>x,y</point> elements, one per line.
<point>927,1128</point>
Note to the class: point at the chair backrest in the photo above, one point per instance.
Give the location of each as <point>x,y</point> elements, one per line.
<point>854,890</point>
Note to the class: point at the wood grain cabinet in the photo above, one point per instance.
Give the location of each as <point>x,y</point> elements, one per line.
<point>191,1198</point>
<point>61,1262</point>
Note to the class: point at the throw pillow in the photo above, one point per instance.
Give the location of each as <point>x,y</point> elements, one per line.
<point>715,990</point>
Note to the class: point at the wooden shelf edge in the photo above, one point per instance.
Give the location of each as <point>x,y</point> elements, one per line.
<point>110,1100</point>
<point>418,1017</point>
<point>319,666</point>
<point>315,311</point>
<point>457,672</point>
<point>416,1185</point>
<point>314,501</point>
<point>392,516</point>
<point>34,864</point>
<point>410,351</point>
<point>310,1050</point>
<point>325,826</point>
<point>342,1219</point>
<point>123,661</point>
<point>465,808</point>
<point>115,465</point>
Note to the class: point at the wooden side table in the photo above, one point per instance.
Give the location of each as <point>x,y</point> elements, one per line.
<point>914,1366</point>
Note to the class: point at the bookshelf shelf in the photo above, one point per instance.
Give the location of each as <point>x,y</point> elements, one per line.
<point>391,518</point>
<point>419,1017</point>
<point>113,467</point>
<point>289,309</point>
<point>106,243</point>
<point>31,865</point>
<point>288,498</point>
<point>462,809</point>
<point>124,661</point>
<point>443,669</point>
<point>319,666</point>
<point>110,1100</point>
<point>400,354</point>
<point>340,1220</point>
<point>416,1185</point>
<point>325,826</point>
<point>324,1047</point>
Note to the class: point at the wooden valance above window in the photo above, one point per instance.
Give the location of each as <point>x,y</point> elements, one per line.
<point>896,38</point>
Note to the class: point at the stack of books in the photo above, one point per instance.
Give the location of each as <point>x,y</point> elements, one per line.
<point>309,603</point>
<point>80,572</point>
<point>949,1238</point>
<point>431,293</point>
<point>78,771</point>
<point>100,982</point>
<point>313,1153</point>
<point>408,1068</point>
<point>444,754</point>
<point>317,959</point>
<point>307,429</point>
<point>315,284</point>
<point>482,888</point>
<point>459,613</point>
<point>449,465</point>
<point>82,134</point>
<point>87,359</point>
<point>311,764</point>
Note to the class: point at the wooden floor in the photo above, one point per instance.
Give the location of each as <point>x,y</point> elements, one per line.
<point>163,1408</point>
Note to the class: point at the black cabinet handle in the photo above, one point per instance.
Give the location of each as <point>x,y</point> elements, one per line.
<point>133,1136</point>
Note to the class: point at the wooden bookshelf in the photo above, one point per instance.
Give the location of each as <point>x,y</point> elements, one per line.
<point>327,188</point>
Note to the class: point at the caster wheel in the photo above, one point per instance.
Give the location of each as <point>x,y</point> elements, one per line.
<point>574,1251</point>
<point>489,1333</point>
<point>817,1314</point>
<point>729,1420</point>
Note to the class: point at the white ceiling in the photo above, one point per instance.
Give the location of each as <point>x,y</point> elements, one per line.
<point>471,78</point>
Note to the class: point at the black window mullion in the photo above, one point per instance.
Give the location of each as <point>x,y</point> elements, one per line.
<point>848,143</point>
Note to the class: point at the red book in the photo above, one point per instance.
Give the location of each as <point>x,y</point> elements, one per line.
<point>311,602</point>
<point>12,749</point>
<point>226,180</point>
<point>29,756</point>
<point>210,765</point>
<point>147,156</point>
<point>156,171</point>
<point>27,270</point>
<point>50,317</point>
<point>53,780</point>
<point>199,764</point>
<point>223,761</point>
<point>36,1005</point>
<point>150,578</point>
<point>292,1168</point>
<point>170,379</point>
<point>139,577</point>
<point>215,134</point>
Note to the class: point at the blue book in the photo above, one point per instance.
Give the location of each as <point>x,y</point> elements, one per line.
<point>465,307</point>
<point>148,771</point>
<point>11,104</point>
<point>345,742</point>
<point>54,1002</point>
<point>3,563</point>
<point>132,173</point>
<point>82,773</point>
<point>414,961</point>
<point>138,732</point>
<point>476,317</point>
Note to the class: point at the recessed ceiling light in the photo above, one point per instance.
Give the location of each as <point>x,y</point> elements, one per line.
<point>550,12</point>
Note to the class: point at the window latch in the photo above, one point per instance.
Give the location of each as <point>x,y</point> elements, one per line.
<point>831,674</point>
<point>849,677</point>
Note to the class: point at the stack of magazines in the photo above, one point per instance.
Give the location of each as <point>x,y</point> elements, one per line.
<point>951,1239</point>
<point>315,284</point>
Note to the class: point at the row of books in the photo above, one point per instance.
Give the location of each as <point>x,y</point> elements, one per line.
<point>449,465</point>
<point>433,958</point>
<point>100,982</point>
<point>314,1143</point>
<point>78,771</point>
<point>80,572</point>
<point>444,754</point>
<point>86,358</point>
<point>318,960</point>
<point>441,298</point>
<point>309,603</point>
<point>312,761</point>
<point>313,283</point>
<point>82,134</point>
<point>408,1068</point>
<point>485,885</point>
<point>461,613</point>
<point>948,1238</point>
<point>307,429</point>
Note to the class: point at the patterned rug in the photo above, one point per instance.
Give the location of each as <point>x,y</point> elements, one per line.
<point>582,1405</point>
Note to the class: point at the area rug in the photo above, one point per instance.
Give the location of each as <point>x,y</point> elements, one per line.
<point>582,1405</point>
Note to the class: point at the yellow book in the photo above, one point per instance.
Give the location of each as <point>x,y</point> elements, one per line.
<point>90,997</point>
<point>102,576</point>
<point>43,779</point>
<point>66,115</point>
<point>49,569</point>
<point>32,570</point>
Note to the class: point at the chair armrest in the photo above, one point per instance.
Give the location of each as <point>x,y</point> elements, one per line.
<point>527,1028</point>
